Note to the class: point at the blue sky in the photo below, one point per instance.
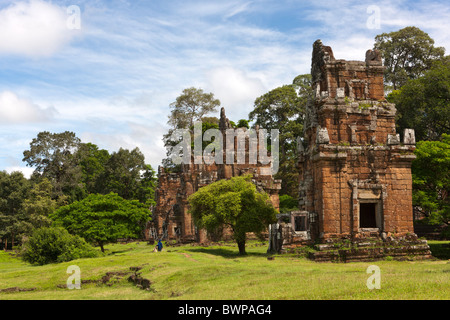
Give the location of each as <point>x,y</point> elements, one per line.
<point>111,78</point>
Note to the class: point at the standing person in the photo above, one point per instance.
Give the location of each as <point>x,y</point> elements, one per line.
<point>159,245</point>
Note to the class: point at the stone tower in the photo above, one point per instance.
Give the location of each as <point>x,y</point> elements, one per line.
<point>355,169</point>
<point>171,217</point>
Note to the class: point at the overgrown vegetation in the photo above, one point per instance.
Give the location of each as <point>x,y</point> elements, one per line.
<point>51,245</point>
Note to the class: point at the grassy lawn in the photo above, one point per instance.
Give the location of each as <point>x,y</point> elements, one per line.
<point>218,272</point>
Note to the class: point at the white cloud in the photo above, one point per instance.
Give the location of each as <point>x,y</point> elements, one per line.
<point>27,171</point>
<point>34,28</point>
<point>14,109</point>
<point>235,89</point>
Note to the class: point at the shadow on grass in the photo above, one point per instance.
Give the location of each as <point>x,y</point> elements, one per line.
<point>440,250</point>
<point>227,253</point>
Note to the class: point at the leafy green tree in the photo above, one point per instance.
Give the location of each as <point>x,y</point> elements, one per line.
<point>283,108</point>
<point>39,205</point>
<point>207,123</point>
<point>92,161</point>
<point>14,189</point>
<point>424,103</point>
<point>127,174</point>
<point>288,203</point>
<point>192,105</point>
<point>103,219</point>
<point>407,54</point>
<point>52,156</point>
<point>52,245</point>
<point>243,124</point>
<point>233,203</point>
<point>431,179</point>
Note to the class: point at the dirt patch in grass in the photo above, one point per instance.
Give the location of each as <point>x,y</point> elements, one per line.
<point>111,278</point>
<point>17,289</point>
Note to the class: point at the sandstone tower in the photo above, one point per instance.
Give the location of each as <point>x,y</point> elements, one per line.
<point>355,168</point>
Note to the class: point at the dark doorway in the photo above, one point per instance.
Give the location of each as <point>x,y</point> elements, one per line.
<point>300,223</point>
<point>367,215</point>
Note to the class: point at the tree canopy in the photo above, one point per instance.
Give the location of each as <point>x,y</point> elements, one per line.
<point>102,219</point>
<point>235,204</point>
<point>283,108</point>
<point>431,179</point>
<point>407,54</point>
<point>52,156</point>
<point>424,103</point>
<point>190,106</point>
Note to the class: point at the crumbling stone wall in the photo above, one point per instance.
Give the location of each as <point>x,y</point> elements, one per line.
<point>171,217</point>
<point>355,170</point>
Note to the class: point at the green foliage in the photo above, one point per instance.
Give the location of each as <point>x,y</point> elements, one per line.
<point>233,203</point>
<point>407,54</point>
<point>364,106</point>
<point>92,161</point>
<point>126,174</point>
<point>207,123</point>
<point>52,155</point>
<point>50,245</point>
<point>424,103</point>
<point>192,105</point>
<point>288,203</point>
<point>103,218</point>
<point>243,124</point>
<point>283,108</point>
<point>77,169</point>
<point>431,179</point>
<point>14,189</point>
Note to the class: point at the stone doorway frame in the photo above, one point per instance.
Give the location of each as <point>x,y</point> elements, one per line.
<point>367,192</point>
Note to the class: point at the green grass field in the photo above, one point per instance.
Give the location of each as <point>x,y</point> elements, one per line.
<point>218,272</point>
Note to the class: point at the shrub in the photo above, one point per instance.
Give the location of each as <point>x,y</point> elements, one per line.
<point>288,203</point>
<point>50,245</point>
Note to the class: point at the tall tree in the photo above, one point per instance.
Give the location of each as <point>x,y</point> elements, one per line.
<point>283,108</point>
<point>424,103</point>
<point>407,54</point>
<point>192,105</point>
<point>52,155</point>
<point>233,203</point>
<point>14,189</point>
<point>39,205</point>
<point>92,161</point>
<point>126,174</point>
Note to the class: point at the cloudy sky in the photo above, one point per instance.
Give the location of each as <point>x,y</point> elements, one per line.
<point>108,70</point>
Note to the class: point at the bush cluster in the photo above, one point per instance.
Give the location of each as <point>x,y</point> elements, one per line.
<point>50,245</point>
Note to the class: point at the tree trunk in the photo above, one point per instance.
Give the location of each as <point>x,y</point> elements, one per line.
<point>241,246</point>
<point>101,247</point>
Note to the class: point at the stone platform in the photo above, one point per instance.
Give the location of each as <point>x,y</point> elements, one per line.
<point>403,248</point>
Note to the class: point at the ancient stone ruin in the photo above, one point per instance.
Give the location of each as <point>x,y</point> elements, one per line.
<point>171,217</point>
<point>355,168</point>
<point>355,188</point>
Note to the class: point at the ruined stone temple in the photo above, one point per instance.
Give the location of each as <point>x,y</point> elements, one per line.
<point>355,169</point>
<point>355,181</point>
<point>171,217</point>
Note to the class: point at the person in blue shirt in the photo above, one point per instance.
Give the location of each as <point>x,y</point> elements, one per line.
<point>159,245</point>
